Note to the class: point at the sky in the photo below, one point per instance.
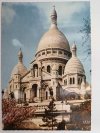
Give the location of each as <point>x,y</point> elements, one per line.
<point>23,25</point>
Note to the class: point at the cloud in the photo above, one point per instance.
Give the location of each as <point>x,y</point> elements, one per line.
<point>17,43</point>
<point>65,10</point>
<point>25,23</point>
<point>7,14</point>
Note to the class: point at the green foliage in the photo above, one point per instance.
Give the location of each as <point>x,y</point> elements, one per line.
<point>50,114</point>
<point>86,36</point>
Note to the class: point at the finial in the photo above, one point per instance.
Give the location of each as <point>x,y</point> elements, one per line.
<point>54,16</point>
<point>20,56</point>
<point>74,48</point>
<point>54,7</point>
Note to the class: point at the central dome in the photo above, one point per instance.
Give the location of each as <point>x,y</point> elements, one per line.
<point>53,38</point>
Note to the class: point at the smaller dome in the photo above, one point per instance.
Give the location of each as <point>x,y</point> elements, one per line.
<point>74,65</point>
<point>19,69</point>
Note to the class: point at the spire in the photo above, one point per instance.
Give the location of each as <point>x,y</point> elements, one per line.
<point>20,56</point>
<point>53,17</point>
<point>74,49</point>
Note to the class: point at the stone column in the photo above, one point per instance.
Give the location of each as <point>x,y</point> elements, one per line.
<point>48,94</point>
<point>16,94</point>
<point>46,52</point>
<point>76,79</point>
<point>51,51</point>
<point>68,82</point>
<point>28,95</point>
<point>30,92</point>
<point>33,72</point>
<point>39,71</point>
<point>54,92</point>
<point>57,52</point>
<point>38,92</point>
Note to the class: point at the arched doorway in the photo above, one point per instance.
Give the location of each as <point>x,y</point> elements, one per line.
<point>34,90</point>
<point>48,69</point>
<point>24,97</point>
<point>22,94</point>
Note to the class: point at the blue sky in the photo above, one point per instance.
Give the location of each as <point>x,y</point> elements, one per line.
<point>23,24</point>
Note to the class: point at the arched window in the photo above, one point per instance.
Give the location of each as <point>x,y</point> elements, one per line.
<point>63,69</point>
<point>70,80</point>
<point>46,95</point>
<point>66,81</point>
<point>81,80</point>
<point>78,80</point>
<point>54,51</point>
<point>34,90</point>
<point>60,52</point>
<point>10,86</point>
<point>60,70</point>
<point>48,69</point>
<point>73,80</point>
<point>43,53</point>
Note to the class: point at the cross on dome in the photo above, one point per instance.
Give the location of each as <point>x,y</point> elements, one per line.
<point>54,16</point>
<point>74,49</point>
<point>54,6</point>
<point>20,56</point>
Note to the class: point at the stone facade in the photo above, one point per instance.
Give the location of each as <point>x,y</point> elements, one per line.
<point>55,69</point>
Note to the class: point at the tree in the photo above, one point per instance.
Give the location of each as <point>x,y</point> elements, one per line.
<point>86,28</point>
<point>86,38</point>
<point>50,114</point>
<point>86,31</point>
<point>13,115</point>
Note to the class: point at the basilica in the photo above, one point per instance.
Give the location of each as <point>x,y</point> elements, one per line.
<point>55,71</point>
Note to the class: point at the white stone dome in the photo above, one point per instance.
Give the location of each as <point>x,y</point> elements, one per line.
<point>74,65</point>
<point>19,69</point>
<point>53,39</point>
